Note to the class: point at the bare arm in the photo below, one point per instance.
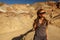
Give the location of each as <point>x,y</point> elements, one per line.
<point>47,29</point>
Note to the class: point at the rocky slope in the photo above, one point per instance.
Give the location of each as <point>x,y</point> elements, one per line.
<point>17,19</point>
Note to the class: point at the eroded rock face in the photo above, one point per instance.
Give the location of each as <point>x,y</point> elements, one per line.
<point>11,22</point>
<point>17,19</point>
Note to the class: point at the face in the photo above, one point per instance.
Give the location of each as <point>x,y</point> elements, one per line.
<point>42,15</point>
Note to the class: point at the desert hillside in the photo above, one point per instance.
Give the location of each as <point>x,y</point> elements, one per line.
<point>17,20</point>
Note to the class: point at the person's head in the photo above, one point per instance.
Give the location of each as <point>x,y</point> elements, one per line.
<point>41,13</point>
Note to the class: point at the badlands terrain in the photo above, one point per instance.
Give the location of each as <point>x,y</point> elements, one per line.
<point>16,20</point>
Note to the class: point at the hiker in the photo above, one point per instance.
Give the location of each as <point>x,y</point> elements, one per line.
<point>40,26</point>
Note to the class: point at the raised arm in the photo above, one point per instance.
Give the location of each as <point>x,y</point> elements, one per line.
<point>47,28</point>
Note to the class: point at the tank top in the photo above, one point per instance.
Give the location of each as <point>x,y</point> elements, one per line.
<point>41,28</point>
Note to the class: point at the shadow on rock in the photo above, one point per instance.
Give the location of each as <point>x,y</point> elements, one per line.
<point>22,36</point>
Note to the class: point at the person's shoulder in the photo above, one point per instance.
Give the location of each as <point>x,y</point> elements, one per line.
<point>46,21</point>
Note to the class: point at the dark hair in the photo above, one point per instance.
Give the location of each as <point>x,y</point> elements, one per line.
<point>38,17</point>
<point>38,12</point>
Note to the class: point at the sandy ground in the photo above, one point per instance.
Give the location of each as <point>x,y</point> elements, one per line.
<point>53,34</point>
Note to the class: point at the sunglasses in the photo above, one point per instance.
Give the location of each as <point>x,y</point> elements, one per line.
<point>42,12</point>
